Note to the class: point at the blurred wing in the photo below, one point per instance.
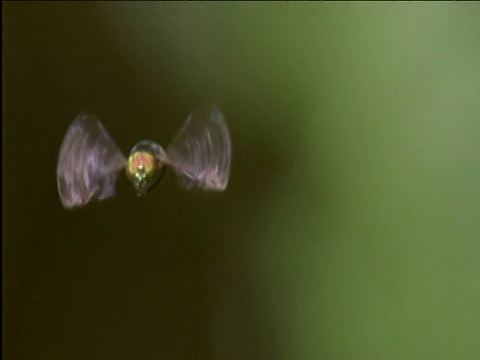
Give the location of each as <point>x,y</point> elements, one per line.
<point>88,163</point>
<point>201,151</point>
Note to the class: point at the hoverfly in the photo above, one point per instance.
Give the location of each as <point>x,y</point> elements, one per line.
<point>90,162</point>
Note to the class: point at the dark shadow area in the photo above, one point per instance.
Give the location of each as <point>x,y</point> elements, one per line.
<point>128,277</point>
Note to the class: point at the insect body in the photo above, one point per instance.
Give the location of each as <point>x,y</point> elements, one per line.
<point>146,165</point>
<point>89,161</point>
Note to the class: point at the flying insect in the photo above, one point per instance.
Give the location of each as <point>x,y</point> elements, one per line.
<point>89,161</point>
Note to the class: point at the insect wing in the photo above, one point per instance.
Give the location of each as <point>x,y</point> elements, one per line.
<point>88,163</point>
<point>201,151</point>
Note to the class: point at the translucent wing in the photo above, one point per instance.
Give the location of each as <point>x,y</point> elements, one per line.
<point>88,163</point>
<point>201,151</point>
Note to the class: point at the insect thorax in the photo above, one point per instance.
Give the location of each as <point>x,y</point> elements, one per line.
<point>146,165</point>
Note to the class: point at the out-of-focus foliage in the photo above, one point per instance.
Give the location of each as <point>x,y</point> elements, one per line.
<point>371,247</point>
<point>351,226</point>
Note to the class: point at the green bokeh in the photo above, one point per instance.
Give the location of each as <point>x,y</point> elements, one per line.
<point>371,246</point>
<point>364,242</point>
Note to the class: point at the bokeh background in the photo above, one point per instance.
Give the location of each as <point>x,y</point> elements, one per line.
<point>351,225</point>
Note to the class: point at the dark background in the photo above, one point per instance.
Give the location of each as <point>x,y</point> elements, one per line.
<point>350,227</point>
<point>130,277</point>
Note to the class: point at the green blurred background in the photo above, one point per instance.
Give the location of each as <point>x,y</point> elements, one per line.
<point>351,225</point>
